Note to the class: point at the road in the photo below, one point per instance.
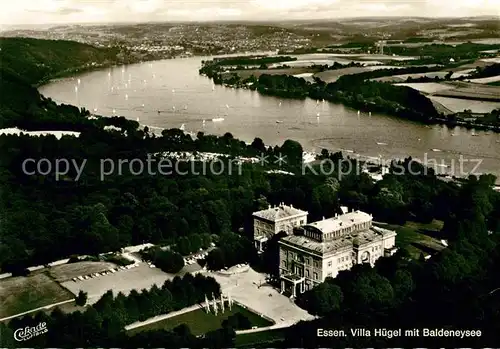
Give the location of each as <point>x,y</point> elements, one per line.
<point>37,309</point>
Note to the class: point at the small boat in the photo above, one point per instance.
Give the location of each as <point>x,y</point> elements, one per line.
<point>218,119</point>
<point>227,106</point>
<point>381,143</point>
<point>279,121</point>
<point>143,105</point>
<point>279,104</point>
<point>359,112</point>
<point>317,115</point>
<point>435,149</point>
<point>79,81</point>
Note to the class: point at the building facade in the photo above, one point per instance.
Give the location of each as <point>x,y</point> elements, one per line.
<point>324,248</point>
<point>273,220</point>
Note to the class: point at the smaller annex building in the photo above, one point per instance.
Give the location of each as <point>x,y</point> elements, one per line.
<point>274,220</point>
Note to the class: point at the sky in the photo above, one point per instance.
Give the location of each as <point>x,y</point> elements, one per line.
<point>22,12</point>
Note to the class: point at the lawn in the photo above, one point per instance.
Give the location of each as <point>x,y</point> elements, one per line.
<point>259,338</point>
<point>199,322</point>
<point>20,294</point>
<point>417,237</point>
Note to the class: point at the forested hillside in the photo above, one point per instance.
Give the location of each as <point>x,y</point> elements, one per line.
<point>26,62</point>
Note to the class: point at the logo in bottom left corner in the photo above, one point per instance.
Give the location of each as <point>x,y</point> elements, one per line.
<point>26,333</point>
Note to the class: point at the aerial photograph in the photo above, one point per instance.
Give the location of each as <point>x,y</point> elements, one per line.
<point>249,174</point>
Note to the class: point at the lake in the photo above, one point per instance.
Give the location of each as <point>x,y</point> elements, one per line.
<point>169,93</point>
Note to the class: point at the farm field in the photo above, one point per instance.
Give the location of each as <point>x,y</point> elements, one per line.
<point>20,294</point>
<point>201,322</point>
<point>486,80</point>
<point>472,91</point>
<point>427,87</point>
<point>456,105</point>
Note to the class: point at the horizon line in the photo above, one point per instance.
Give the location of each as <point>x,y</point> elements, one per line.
<point>275,21</point>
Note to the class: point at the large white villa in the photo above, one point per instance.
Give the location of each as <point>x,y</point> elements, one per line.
<point>311,252</point>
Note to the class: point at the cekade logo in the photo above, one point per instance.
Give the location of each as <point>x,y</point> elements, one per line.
<point>23,334</point>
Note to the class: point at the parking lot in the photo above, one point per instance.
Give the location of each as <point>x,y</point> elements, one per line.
<point>245,287</point>
<point>139,277</point>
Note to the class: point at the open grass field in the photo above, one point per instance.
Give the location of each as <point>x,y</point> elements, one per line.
<point>472,91</point>
<point>417,237</point>
<point>250,340</point>
<point>200,322</point>
<point>20,294</point>
<point>66,272</point>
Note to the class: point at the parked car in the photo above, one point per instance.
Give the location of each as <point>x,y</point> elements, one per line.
<point>74,279</point>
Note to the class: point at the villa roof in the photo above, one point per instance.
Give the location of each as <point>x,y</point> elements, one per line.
<point>332,246</point>
<point>333,224</point>
<point>279,212</point>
